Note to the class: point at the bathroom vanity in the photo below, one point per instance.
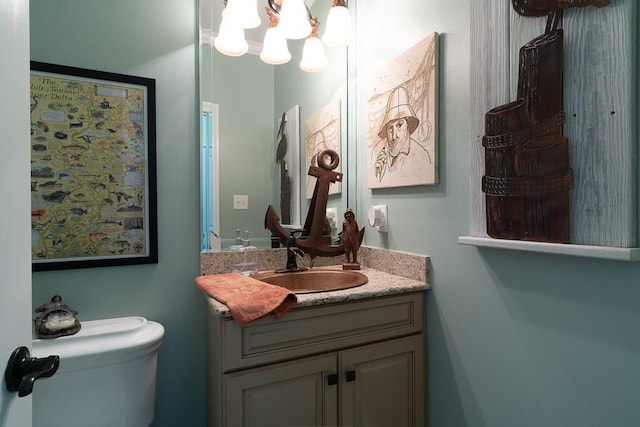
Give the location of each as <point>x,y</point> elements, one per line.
<point>353,357</point>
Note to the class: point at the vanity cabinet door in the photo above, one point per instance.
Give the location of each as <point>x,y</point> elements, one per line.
<point>294,393</point>
<point>383,384</point>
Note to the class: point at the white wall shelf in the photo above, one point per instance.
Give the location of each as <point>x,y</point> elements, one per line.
<point>602,252</point>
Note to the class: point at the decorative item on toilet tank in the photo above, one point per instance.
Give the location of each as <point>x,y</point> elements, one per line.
<point>56,319</point>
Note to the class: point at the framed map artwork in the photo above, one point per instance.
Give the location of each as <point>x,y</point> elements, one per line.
<point>93,168</point>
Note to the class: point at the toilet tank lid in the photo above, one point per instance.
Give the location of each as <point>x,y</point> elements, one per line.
<point>103,336</point>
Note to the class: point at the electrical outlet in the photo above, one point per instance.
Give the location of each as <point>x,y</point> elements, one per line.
<point>332,216</point>
<point>240,202</point>
<point>377,216</point>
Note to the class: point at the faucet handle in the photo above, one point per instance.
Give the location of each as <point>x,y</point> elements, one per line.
<point>291,241</point>
<point>298,252</point>
<point>292,252</point>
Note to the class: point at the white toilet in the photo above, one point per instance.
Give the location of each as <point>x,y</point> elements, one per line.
<point>107,375</point>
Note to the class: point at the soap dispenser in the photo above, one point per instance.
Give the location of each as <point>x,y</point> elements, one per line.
<point>245,239</point>
<point>246,262</point>
<point>238,242</point>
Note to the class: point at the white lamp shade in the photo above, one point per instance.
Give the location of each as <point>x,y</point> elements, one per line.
<point>230,39</point>
<point>242,12</point>
<point>274,48</point>
<point>294,19</point>
<point>313,56</point>
<point>338,32</point>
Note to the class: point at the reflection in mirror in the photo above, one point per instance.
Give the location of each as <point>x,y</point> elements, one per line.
<point>243,101</point>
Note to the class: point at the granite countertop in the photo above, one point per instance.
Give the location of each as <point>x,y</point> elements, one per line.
<point>380,284</point>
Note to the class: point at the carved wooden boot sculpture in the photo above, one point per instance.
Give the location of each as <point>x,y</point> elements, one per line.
<point>527,171</point>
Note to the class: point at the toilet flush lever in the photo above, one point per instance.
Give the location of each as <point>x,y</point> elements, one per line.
<point>22,370</point>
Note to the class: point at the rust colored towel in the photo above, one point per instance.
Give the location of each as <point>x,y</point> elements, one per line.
<point>248,299</point>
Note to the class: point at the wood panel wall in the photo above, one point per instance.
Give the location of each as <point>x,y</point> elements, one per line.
<point>600,101</point>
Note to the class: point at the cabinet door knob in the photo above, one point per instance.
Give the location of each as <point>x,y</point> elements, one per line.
<point>351,376</point>
<point>332,379</point>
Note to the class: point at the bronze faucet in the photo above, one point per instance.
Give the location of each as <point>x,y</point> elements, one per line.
<point>292,254</point>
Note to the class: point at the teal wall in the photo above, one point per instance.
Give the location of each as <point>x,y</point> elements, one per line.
<point>513,338</point>
<point>156,39</point>
<point>243,89</point>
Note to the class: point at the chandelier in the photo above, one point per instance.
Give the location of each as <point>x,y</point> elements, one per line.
<point>288,20</point>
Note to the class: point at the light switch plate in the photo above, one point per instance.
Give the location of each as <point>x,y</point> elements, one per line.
<point>240,201</point>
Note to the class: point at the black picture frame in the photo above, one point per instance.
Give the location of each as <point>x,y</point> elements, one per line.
<point>93,168</point>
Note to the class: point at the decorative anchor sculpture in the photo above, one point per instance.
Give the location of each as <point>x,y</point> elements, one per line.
<point>312,240</point>
<point>57,319</point>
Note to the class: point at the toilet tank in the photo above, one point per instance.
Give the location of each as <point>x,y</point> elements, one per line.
<point>107,375</point>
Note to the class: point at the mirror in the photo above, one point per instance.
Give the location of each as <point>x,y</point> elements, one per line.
<point>243,101</point>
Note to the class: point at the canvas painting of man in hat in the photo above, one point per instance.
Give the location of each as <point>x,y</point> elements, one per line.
<point>402,119</point>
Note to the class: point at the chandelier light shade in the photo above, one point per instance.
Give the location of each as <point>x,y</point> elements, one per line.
<point>294,21</point>
<point>243,13</point>
<point>230,39</point>
<point>274,47</point>
<point>313,57</point>
<point>338,32</point>
<point>288,20</point>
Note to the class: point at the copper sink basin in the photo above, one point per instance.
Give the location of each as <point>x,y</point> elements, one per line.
<point>314,280</point>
